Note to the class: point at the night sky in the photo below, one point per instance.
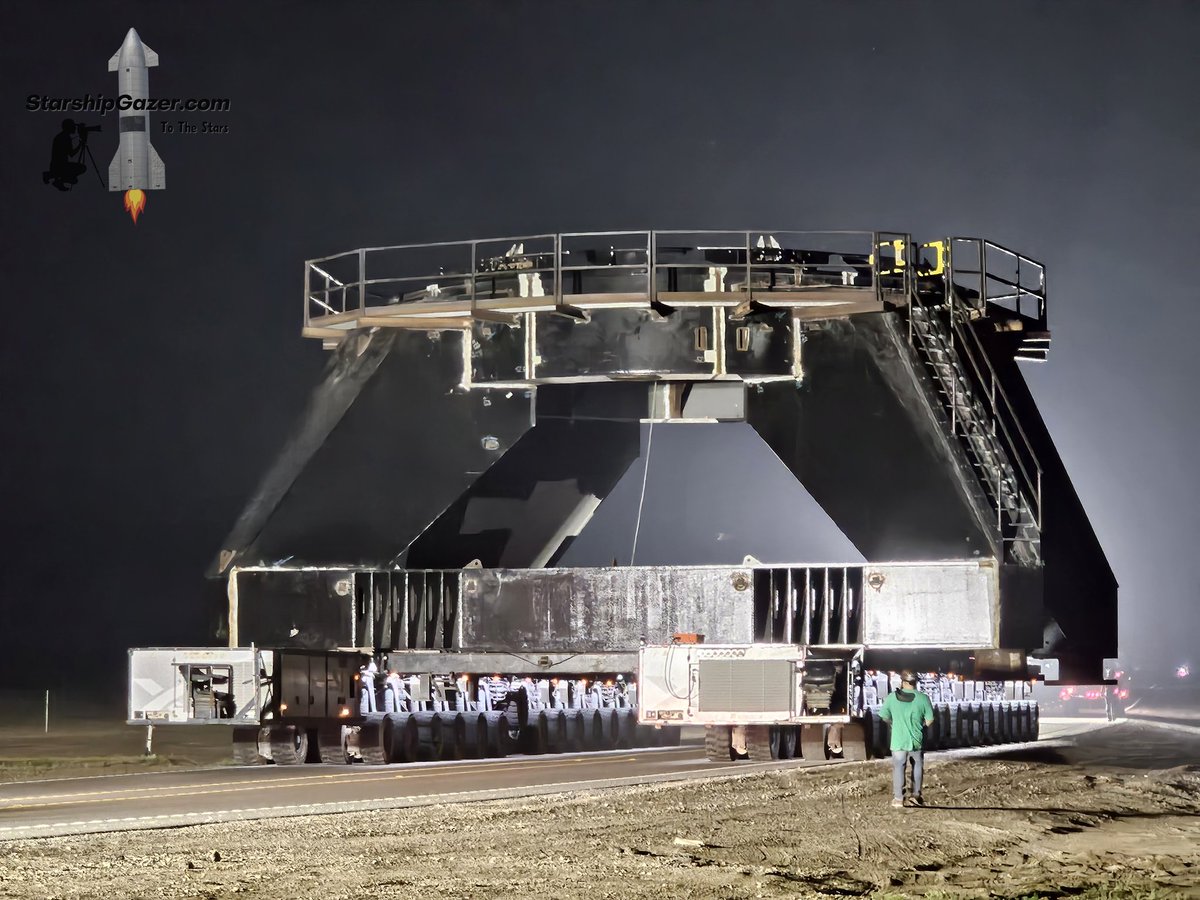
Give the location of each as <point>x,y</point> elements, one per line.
<point>151,372</point>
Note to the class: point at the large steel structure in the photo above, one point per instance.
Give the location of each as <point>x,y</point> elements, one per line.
<point>484,398</point>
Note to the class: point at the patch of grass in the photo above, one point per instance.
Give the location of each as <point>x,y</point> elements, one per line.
<point>13,768</point>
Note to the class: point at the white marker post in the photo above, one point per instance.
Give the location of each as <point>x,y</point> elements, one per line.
<point>47,711</point>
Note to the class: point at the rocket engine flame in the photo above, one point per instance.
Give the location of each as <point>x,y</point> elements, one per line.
<point>135,202</point>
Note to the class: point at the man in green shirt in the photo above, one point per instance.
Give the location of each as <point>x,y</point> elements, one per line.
<point>907,710</point>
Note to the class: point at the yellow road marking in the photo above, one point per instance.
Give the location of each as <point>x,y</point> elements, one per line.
<point>273,784</point>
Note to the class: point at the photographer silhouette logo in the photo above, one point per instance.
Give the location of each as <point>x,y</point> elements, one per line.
<point>67,155</point>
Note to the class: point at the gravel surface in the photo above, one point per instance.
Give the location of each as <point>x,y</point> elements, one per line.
<point>1083,821</point>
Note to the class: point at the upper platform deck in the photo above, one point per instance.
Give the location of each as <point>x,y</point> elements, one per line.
<point>812,274</point>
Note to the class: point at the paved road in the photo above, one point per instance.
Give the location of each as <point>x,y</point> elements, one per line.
<point>167,799</point>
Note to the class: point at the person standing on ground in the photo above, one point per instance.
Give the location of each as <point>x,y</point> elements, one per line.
<point>907,710</point>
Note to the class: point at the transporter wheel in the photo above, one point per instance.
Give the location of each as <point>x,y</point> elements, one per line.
<point>812,742</point>
<point>245,747</point>
<point>944,727</point>
<point>576,737</point>
<point>880,736</point>
<point>974,724</point>
<point>499,731</point>
<point>854,741</point>
<point>788,741</point>
<point>555,730</point>
<point>762,743</point>
<point>475,739</point>
<point>611,729</point>
<point>371,742</point>
<point>626,728</point>
<point>593,729</point>
<point>1003,723</point>
<point>454,735</point>
<point>400,741</point>
<point>718,743</point>
<point>533,740</point>
<point>429,734</point>
<point>1034,728</point>
<point>331,745</point>
<point>289,745</point>
<point>956,735</point>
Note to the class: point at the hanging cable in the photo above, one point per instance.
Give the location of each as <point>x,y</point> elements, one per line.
<point>641,500</point>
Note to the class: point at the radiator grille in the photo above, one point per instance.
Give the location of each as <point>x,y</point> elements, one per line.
<point>746,685</point>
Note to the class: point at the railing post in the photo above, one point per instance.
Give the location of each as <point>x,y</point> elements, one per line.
<point>982,276</point>
<point>1039,499</point>
<point>362,280</point>
<point>474,271</point>
<point>1018,285</point>
<point>651,269</point>
<point>749,292</point>
<point>558,294</point>
<point>874,258</point>
<point>307,274</point>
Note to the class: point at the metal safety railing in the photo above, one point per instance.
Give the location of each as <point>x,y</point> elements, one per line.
<point>980,411</point>
<point>603,268</point>
<point>982,272</point>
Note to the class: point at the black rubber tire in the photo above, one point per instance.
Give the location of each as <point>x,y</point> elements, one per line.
<point>611,729</point>
<point>762,743</point>
<point>991,724</point>
<point>454,735</point>
<point>474,735</point>
<point>371,742</point>
<point>879,735</point>
<point>429,735</point>
<point>626,728</point>
<point>718,743</point>
<point>556,730</point>
<point>812,742</point>
<point>1034,727</point>
<point>855,741</point>
<point>289,745</point>
<point>945,729</point>
<point>974,714</point>
<point>789,740</point>
<point>499,729</point>
<point>1008,727</point>
<point>400,741</point>
<point>331,745</point>
<point>593,729</point>
<point>534,735</point>
<point>245,747</point>
<point>576,739</point>
<point>955,726</point>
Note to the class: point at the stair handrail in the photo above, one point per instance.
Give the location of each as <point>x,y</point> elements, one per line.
<point>994,387</point>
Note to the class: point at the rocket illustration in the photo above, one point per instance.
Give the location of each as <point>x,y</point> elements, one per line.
<point>136,167</point>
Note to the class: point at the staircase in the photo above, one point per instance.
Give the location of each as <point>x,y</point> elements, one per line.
<point>983,420</point>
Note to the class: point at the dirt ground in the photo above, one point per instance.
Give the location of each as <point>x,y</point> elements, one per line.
<point>1115,815</point>
<point>103,745</point>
